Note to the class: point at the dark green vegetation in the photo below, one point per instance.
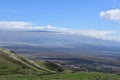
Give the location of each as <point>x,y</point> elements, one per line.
<point>52,66</point>
<point>17,67</point>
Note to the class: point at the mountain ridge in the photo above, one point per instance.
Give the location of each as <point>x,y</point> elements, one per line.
<point>10,61</point>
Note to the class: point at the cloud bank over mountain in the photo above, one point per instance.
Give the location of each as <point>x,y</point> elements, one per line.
<point>26,26</point>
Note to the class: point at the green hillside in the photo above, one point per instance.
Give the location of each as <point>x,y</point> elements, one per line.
<point>12,63</point>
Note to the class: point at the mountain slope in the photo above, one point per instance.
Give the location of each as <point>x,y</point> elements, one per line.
<point>11,63</point>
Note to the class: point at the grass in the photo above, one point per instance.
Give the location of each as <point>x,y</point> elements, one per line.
<point>11,63</point>
<point>65,76</point>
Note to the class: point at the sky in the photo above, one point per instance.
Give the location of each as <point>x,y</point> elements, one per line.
<point>96,18</point>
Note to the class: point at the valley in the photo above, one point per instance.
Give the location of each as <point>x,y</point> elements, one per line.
<point>78,60</point>
<point>14,66</point>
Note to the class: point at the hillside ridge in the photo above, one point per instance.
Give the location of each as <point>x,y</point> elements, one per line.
<point>21,61</point>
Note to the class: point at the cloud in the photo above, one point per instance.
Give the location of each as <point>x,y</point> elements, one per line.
<point>100,34</point>
<point>113,14</point>
<point>26,26</point>
<point>14,25</point>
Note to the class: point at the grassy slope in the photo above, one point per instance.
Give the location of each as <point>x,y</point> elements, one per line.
<point>11,63</point>
<point>66,76</point>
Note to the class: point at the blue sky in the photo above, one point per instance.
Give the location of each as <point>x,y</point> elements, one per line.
<point>74,14</point>
<point>82,14</point>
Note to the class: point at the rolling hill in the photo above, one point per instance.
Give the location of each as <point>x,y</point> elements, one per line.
<point>12,63</point>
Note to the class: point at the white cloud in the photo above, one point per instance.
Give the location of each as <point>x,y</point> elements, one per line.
<point>13,25</point>
<point>100,34</point>
<point>113,14</point>
<point>25,26</point>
